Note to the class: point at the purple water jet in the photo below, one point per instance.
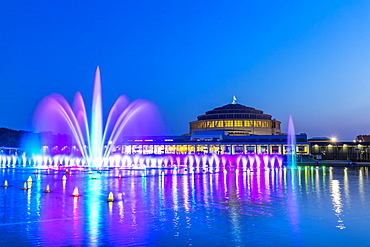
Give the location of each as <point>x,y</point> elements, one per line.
<point>95,145</point>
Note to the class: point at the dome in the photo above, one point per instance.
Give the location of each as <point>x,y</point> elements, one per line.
<point>236,119</point>
<point>234,111</point>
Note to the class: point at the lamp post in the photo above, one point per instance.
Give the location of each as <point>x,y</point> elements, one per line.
<point>334,140</point>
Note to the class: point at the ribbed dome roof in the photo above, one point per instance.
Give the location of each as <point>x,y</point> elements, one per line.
<point>231,111</point>
<point>234,108</point>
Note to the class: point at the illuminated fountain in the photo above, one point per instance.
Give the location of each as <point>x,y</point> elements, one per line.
<point>94,145</point>
<point>291,145</point>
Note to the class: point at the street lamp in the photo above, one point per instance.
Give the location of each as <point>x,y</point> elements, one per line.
<point>335,148</point>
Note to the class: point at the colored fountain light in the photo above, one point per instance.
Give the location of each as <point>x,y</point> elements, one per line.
<point>25,186</point>
<point>5,183</point>
<point>47,190</point>
<point>93,143</point>
<point>81,144</point>
<point>291,145</point>
<point>110,197</point>
<point>75,192</point>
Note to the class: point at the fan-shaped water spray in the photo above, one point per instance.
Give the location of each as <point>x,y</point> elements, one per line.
<point>92,143</point>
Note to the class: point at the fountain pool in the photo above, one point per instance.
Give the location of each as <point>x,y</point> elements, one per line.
<point>306,206</point>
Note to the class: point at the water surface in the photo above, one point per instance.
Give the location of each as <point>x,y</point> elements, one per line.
<point>300,207</point>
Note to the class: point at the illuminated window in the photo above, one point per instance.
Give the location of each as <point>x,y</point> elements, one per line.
<point>264,149</point>
<point>202,124</point>
<point>214,149</point>
<point>258,124</point>
<point>211,124</point>
<point>219,123</point>
<point>182,149</point>
<point>275,149</point>
<point>265,124</point>
<point>238,123</point>
<point>191,149</point>
<point>159,149</point>
<point>248,123</point>
<point>228,123</point>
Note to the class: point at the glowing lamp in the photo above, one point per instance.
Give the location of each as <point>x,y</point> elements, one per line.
<point>224,171</point>
<point>110,197</point>
<point>236,170</point>
<point>25,186</point>
<point>5,183</point>
<point>93,177</point>
<point>64,178</point>
<point>75,193</point>
<point>120,176</point>
<point>47,189</point>
<point>29,180</point>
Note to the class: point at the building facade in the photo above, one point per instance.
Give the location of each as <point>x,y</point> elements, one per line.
<point>230,129</point>
<point>212,143</point>
<point>333,150</point>
<point>236,119</point>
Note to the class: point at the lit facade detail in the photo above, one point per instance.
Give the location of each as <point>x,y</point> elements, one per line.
<point>236,119</point>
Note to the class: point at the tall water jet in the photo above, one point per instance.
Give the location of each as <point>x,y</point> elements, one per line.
<point>291,145</point>
<point>54,114</point>
<point>96,122</point>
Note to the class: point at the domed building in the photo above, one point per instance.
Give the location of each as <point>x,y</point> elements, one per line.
<point>230,129</point>
<point>236,120</point>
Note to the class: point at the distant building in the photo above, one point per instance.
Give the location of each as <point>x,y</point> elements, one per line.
<point>327,149</point>
<point>230,129</point>
<point>236,120</point>
<point>363,138</point>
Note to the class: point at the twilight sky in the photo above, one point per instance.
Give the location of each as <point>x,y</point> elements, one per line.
<point>310,59</point>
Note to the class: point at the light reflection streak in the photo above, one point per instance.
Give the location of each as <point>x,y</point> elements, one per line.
<point>300,179</point>
<point>323,178</point>
<point>259,182</point>
<point>185,183</point>
<point>243,190</point>
<point>346,186</point>
<point>121,210</point>
<point>93,210</point>
<point>306,179</point>
<point>361,185</point>
<point>337,202</point>
<point>312,178</point>
<point>267,180</point>
<point>293,174</point>
<point>225,185</point>
<point>285,179</point>
<point>75,213</point>
<point>175,198</point>
<point>317,184</point>
<point>110,205</point>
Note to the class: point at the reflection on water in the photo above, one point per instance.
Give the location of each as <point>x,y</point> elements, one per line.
<point>151,208</point>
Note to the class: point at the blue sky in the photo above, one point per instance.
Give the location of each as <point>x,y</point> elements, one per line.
<point>310,59</point>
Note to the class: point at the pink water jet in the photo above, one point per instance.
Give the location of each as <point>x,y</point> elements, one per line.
<point>95,142</point>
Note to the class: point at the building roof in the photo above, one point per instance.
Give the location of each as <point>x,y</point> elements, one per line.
<point>232,111</point>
